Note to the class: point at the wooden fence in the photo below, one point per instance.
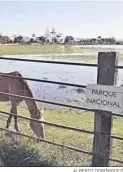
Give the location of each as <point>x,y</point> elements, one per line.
<point>102,141</point>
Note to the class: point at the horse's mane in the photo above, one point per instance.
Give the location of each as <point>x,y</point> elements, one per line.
<point>26,85</point>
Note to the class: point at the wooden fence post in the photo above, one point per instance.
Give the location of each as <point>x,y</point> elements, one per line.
<point>107,75</point>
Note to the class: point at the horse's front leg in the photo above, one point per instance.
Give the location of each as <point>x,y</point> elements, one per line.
<point>9,118</point>
<point>14,111</point>
<point>8,121</point>
<point>15,118</point>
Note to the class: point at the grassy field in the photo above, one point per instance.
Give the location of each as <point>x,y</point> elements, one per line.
<point>53,50</point>
<point>34,49</point>
<point>74,118</point>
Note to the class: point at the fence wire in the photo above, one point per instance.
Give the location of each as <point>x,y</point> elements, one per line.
<point>55,103</point>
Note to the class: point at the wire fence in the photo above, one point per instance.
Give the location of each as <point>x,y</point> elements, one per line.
<point>56,103</point>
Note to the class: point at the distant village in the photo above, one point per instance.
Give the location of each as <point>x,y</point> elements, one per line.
<point>52,37</point>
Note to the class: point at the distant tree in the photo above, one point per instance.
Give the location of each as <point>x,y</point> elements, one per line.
<point>55,40</point>
<point>68,39</point>
<point>92,41</point>
<point>5,39</point>
<point>118,43</point>
<point>10,41</point>
<point>18,39</point>
<point>15,39</point>
<point>112,40</point>
<point>32,40</point>
<point>42,39</point>
<point>0,38</point>
<point>99,37</point>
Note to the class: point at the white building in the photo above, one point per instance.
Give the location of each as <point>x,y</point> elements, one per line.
<point>53,36</point>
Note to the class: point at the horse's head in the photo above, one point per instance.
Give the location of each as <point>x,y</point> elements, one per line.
<point>38,128</point>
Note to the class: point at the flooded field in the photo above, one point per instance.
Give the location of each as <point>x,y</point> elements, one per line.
<point>62,73</point>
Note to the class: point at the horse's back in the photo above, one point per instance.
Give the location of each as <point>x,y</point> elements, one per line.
<point>11,85</point>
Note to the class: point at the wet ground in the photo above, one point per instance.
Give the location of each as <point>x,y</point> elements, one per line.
<point>62,73</point>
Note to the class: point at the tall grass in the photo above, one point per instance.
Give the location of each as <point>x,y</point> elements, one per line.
<point>14,154</point>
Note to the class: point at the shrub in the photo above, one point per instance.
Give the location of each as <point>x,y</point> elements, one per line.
<point>17,155</point>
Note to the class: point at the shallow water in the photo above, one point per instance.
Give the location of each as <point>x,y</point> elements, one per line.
<point>101,46</point>
<point>62,73</point>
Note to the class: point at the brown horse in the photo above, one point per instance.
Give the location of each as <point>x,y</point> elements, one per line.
<point>20,87</point>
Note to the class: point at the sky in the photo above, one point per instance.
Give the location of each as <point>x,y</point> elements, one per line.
<point>76,18</point>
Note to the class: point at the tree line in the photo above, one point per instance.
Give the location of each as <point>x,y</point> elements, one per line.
<point>57,40</point>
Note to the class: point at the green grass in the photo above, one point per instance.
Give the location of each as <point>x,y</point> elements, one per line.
<point>33,49</point>
<point>74,118</point>
<point>56,49</point>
